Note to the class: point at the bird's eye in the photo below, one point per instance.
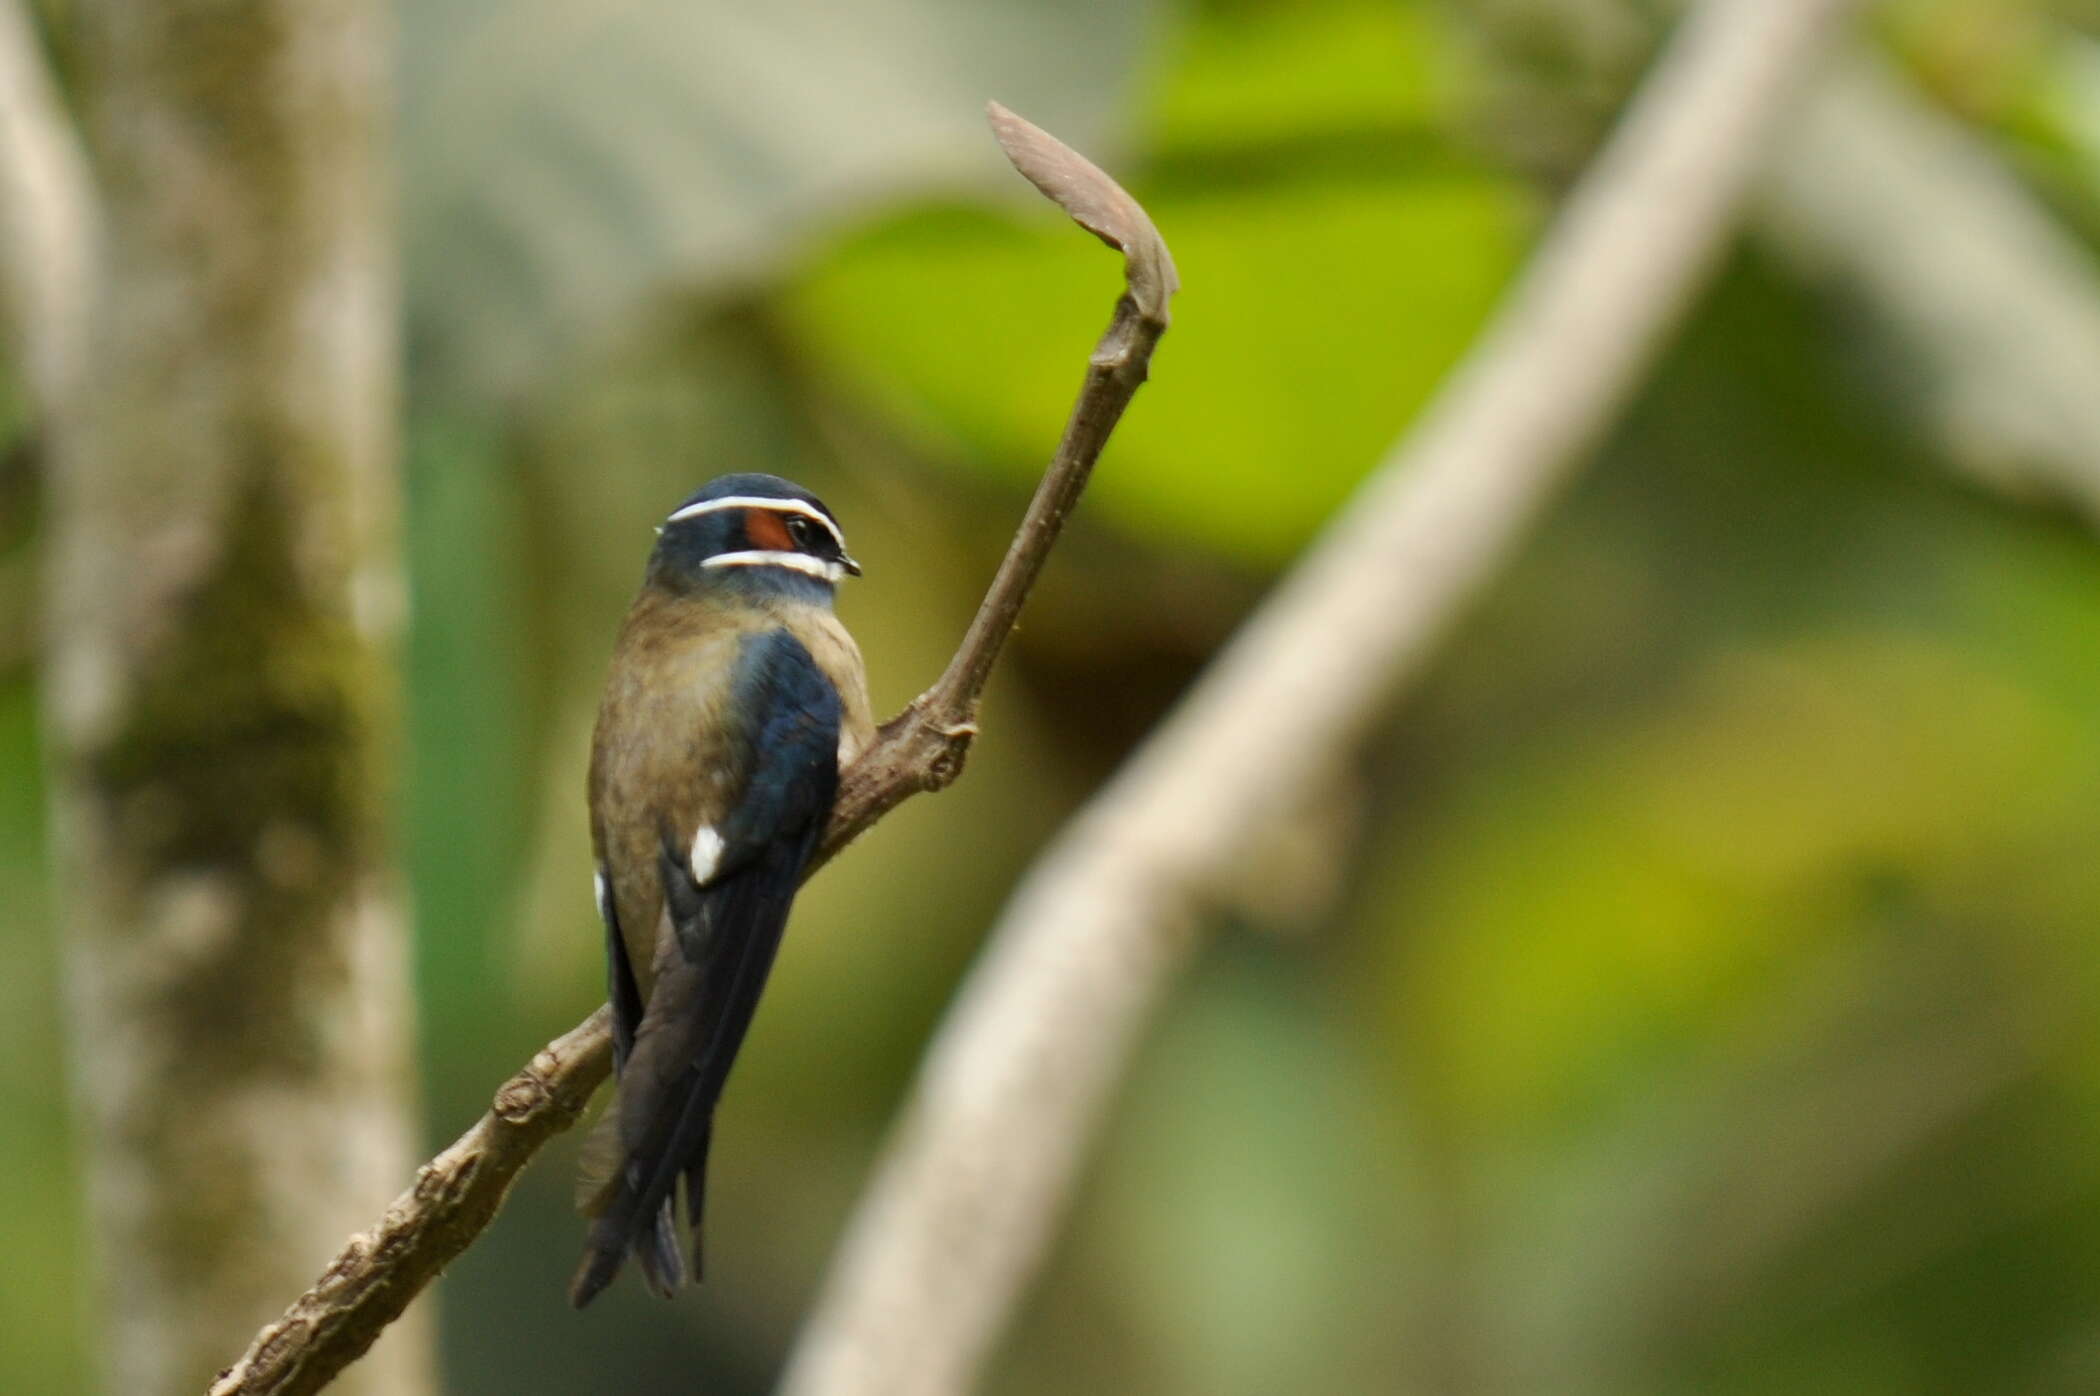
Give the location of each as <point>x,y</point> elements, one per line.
<point>801,531</point>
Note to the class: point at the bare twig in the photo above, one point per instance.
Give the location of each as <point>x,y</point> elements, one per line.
<point>374,1277</point>
<point>1012,1090</point>
<point>923,747</point>
<point>47,215</point>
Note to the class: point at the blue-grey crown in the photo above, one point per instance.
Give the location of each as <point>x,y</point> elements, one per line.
<point>755,484</point>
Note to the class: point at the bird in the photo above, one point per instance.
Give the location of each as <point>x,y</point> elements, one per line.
<point>735,699</point>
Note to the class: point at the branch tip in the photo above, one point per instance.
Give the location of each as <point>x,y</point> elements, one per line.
<point>1096,203</point>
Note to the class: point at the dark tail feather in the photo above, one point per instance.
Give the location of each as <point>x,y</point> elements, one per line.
<point>656,1250</point>
<point>612,1237</point>
<point>677,1068</point>
<point>696,1195</point>
<point>663,1268</point>
<point>603,1255</point>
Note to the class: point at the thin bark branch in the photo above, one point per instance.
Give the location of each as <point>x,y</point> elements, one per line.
<point>1117,368</point>
<point>923,748</point>
<point>47,216</point>
<point>455,1196</point>
<point>978,1172</point>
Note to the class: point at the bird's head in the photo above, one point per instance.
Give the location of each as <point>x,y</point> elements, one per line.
<point>751,532</point>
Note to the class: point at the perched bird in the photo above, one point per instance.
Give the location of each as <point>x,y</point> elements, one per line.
<point>735,700</point>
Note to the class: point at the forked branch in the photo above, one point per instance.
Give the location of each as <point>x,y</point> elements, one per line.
<point>455,1195</point>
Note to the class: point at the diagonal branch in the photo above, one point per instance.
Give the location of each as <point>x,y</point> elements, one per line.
<point>455,1195</point>
<point>980,1166</point>
<point>923,747</point>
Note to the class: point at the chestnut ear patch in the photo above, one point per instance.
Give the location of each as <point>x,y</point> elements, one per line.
<point>767,531</point>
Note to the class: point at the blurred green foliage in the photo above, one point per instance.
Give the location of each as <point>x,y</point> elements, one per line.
<point>1337,255</point>
<point>1706,1005</point>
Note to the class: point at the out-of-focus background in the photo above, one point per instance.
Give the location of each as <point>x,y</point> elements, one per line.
<point>1692,988</point>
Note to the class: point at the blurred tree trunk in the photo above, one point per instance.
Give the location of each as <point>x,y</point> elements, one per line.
<point>223,583</point>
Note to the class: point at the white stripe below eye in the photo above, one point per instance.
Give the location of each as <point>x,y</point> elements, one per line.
<point>795,562</point>
<point>754,501</point>
<point>706,855</point>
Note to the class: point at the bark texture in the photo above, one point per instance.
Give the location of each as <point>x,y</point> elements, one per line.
<point>223,588</point>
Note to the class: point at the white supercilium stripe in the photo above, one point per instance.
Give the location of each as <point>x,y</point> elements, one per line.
<point>795,562</point>
<point>754,501</point>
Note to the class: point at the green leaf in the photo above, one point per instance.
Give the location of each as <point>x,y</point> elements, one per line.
<point>1337,255</point>
<point>1310,329</point>
<point>1248,76</point>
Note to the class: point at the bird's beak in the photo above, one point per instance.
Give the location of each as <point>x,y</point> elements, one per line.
<point>846,561</point>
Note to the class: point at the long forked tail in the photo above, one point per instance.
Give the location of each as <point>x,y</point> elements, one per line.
<point>616,1230</point>
<point>699,1010</point>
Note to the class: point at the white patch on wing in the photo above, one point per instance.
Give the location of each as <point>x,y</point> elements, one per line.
<point>603,897</point>
<point>707,852</point>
